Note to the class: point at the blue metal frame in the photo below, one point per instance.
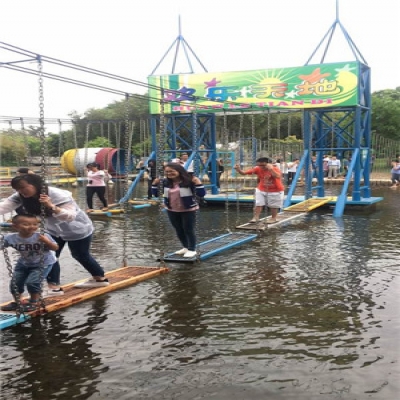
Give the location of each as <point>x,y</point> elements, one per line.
<point>178,42</point>
<point>179,134</point>
<point>351,132</point>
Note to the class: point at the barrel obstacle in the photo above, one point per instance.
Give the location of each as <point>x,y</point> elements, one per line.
<point>74,161</point>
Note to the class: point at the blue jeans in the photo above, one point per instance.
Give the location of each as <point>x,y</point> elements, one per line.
<point>184,224</point>
<point>80,252</point>
<point>30,276</point>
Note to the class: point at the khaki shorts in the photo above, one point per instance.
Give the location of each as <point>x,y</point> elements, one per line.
<point>271,200</point>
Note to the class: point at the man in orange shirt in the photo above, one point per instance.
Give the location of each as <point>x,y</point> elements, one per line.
<point>269,191</point>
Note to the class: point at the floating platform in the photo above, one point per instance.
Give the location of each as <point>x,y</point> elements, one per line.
<point>214,246</point>
<point>118,279</point>
<point>237,197</point>
<point>262,225</point>
<point>309,204</point>
<point>143,201</point>
<point>364,201</point>
<point>62,181</point>
<point>244,199</point>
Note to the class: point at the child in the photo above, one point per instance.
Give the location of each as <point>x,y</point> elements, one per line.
<point>28,270</point>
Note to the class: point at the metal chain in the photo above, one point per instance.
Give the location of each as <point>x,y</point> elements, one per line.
<point>126,181</point>
<point>14,286</point>
<point>160,149</point>
<point>225,141</point>
<point>195,173</point>
<point>237,160</point>
<point>44,153</point>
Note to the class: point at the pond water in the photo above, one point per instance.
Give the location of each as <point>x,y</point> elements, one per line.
<point>308,311</point>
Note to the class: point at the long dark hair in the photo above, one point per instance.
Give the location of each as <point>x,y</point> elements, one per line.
<point>31,204</point>
<point>186,179</point>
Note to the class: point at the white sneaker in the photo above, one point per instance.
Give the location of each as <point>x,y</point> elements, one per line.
<point>53,292</point>
<point>190,254</point>
<point>92,283</point>
<point>181,252</point>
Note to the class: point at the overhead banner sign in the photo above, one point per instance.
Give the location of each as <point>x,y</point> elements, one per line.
<point>309,86</point>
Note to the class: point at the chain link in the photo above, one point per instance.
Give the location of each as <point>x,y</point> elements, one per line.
<point>160,169</point>
<point>126,182</point>
<point>196,163</point>
<point>13,284</point>
<point>44,155</point>
<point>225,141</point>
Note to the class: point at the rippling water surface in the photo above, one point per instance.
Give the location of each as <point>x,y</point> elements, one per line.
<point>308,311</point>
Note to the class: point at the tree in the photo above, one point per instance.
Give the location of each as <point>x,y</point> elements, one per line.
<point>385,116</point>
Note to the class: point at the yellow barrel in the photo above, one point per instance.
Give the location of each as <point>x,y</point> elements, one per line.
<point>67,161</point>
<point>74,161</point>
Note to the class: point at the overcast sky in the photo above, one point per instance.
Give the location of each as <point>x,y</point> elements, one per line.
<point>130,37</point>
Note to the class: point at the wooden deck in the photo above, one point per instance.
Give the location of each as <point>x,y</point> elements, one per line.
<point>118,279</point>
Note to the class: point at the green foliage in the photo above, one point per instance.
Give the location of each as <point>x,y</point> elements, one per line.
<point>12,149</point>
<point>385,118</point>
<point>99,142</point>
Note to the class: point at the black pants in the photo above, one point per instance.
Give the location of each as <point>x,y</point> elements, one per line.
<point>149,184</point>
<point>100,190</point>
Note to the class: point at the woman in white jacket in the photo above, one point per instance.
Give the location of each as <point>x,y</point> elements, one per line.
<point>64,221</point>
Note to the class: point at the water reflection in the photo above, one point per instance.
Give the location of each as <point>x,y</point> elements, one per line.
<point>54,358</point>
<point>308,311</point>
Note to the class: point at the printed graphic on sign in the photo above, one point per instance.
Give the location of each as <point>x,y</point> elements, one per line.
<point>310,86</point>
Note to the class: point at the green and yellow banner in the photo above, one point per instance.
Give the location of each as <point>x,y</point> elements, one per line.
<point>309,86</point>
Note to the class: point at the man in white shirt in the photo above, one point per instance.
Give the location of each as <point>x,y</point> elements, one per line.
<point>333,167</point>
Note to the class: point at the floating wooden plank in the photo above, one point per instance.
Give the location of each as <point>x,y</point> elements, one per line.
<point>309,204</point>
<point>143,201</point>
<point>61,181</point>
<point>118,279</point>
<point>214,246</point>
<point>99,213</point>
<point>262,225</point>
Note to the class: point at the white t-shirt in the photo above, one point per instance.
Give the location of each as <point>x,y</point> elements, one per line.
<point>30,249</point>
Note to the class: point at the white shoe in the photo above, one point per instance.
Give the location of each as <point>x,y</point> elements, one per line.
<point>190,254</point>
<point>54,292</point>
<point>92,283</point>
<point>181,252</point>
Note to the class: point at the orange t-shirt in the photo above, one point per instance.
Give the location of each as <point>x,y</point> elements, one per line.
<point>267,182</point>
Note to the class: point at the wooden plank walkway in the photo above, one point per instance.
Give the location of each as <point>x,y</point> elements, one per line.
<point>309,204</point>
<point>262,224</point>
<point>118,279</point>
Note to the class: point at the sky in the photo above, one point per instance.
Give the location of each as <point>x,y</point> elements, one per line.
<point>130,37</point>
